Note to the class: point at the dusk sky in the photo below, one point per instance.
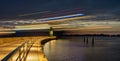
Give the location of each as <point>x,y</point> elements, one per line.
<point>100,15</point>
<point>14,8</point>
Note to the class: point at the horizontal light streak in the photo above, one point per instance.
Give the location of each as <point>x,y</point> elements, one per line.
<point>2,29</point>
<point>100,22</point>
<point>5,33</point>
<point>88,28</point>
<point>61,25</point>
<point>32,27</point>
<point>67,19</point>
<point>62,17</point>
<point>88,24</point>
<point>6,29</point>
<point>95,27</point>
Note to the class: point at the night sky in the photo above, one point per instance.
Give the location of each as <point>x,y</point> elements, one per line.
<point>101,16</point>
<point>14,8</point>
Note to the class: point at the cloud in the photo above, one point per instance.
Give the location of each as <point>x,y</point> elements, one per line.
<point>11,8</point>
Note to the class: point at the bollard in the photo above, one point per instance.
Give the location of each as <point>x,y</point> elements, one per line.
<point>84,39</point>
<point>93,42</point>
<point>87,41</point>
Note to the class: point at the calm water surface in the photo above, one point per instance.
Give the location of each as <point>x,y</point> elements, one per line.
<point>76,49</point>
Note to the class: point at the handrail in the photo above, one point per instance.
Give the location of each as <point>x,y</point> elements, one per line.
<point>46,40</point>
<point>22,51</point>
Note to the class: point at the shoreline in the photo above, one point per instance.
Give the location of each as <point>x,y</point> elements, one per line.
<point>43,42</point>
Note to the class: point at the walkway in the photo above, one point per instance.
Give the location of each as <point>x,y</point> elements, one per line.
<point>35,54</point>
<point>6,48</point>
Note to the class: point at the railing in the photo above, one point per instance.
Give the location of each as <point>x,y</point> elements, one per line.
<point>20,53</point>
<point>46,40</point>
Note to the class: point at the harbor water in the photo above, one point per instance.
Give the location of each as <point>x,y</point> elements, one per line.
<point>80,48</point>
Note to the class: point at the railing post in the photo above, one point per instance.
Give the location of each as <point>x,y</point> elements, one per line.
<point>20,54</point>
<point>23,56</point>
<point>11,59</point>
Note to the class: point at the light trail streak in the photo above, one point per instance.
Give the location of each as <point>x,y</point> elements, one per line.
<point>65,19</point>
<point>32,27</point>
<point>62,17</point>
<point>7,32</point>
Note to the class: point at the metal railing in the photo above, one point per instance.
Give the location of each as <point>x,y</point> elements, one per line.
<point>20,53</point>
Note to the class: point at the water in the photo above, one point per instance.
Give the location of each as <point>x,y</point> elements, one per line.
<point>75,49</point>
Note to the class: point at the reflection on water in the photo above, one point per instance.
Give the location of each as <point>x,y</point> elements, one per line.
<point>76,49</point>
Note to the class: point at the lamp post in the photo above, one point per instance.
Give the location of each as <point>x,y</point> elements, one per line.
<point>51,31</point>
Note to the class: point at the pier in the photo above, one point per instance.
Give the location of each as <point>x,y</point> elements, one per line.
<point>11,51</point>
